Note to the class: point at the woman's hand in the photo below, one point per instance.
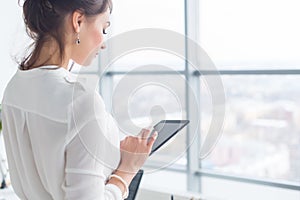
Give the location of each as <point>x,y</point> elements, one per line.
<point>135,151</point>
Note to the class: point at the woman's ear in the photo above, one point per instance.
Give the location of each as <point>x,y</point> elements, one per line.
<point>77,19</point>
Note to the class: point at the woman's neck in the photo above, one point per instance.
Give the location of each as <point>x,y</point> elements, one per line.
<point>49,54</point>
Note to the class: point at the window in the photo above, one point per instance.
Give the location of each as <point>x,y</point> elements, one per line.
<point>135,14</point>
<point>261,131</point>
<point>141,82</point>
<point>251,33</point>
<point>255,46</point>
<point>142,14</point>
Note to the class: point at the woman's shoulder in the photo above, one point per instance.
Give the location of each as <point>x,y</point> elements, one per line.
<point>52,93</point>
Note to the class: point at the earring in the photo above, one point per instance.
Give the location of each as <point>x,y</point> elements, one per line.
<point>77,40</point>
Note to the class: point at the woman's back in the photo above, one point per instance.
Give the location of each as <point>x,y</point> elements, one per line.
<point>36,126</point>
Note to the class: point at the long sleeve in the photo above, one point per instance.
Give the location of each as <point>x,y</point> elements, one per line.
<point>92,154</point>
<point>85,178</point>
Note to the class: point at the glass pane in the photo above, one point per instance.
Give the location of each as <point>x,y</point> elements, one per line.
<point>141,14</point>
<point>136,14</point>
<point>261,136</point>
<point>140,101</point>
<point>251,33</point>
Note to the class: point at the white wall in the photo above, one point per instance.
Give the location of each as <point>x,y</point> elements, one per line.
<point>11,34</point>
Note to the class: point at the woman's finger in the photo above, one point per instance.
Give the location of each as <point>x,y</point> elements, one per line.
<point>152,139</point>
<point>144,134</point>
<point>147,133</point>
<point>141,133</point>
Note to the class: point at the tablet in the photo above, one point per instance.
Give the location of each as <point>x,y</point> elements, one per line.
<point>166,129</point>
<point>134,185</point>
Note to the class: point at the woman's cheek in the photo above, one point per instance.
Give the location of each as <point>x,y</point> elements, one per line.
<point>98,38</point>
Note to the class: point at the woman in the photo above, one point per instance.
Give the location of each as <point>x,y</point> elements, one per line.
<point>61,144</point>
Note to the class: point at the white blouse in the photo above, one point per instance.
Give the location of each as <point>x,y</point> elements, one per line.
<point>60,141</point>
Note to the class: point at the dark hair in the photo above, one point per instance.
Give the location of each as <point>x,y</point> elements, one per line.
<point>44,19</point>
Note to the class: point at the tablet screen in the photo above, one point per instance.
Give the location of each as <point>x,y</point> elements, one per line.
<point>166,129</point>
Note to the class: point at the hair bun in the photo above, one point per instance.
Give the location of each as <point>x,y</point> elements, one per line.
<point>39,16</point>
